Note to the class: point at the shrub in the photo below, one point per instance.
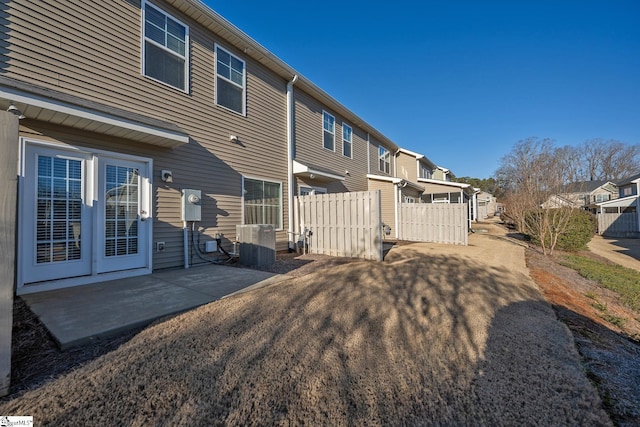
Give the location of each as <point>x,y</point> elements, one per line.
<point>580,230</point>
<point>573,228</point>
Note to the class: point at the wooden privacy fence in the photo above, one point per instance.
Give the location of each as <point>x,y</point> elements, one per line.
<point>342,224</point>
<point>618,224</point>
<point>434,222</point>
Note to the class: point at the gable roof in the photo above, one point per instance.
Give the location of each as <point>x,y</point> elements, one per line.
<point>584,186</point>
<point>419,157</point>
<point>629,180</point>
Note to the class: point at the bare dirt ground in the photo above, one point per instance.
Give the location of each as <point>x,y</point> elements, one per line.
<point>435,335</point>
<point>610,351</point>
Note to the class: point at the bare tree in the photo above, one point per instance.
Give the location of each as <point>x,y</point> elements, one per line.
<point>534,172</point>
<point>609,160</point>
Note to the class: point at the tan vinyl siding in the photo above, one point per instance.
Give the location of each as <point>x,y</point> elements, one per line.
<point>309,147</point>
<point>387,194</point>
<point>406,167</point>
<point>411,192</point>
<point>93,50</point>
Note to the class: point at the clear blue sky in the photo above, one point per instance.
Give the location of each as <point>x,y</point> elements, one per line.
<point>462,81</point>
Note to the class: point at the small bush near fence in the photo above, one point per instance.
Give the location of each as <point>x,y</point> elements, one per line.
<point>579,231</point>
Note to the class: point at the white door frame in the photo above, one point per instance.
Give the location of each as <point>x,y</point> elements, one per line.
<point>91,190</point>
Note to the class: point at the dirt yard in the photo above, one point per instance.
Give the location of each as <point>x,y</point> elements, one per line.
<point>436,334</point>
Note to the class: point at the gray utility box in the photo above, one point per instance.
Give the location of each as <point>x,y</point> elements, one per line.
<point>257,244</point>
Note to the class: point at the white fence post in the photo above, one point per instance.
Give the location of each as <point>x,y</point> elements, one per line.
<point>8,200</point>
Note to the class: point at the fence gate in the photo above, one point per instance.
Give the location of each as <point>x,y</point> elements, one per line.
<point>618,224</point>
<point>434,222</point>
<point>342,224</point>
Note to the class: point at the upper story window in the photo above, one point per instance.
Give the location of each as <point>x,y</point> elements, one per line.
<point>347,140</point>
<point>166,48</point>
<point>230,81</point>
<point>329,131</point>
<point>599,198</point>
<point>425,172</point>
<point>385,159</point>
<point>627,191</point>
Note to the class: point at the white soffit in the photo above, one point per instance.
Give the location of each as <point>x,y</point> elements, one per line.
<point>62,113</point>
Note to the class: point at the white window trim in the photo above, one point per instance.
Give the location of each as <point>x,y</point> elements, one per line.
<point>317,190</point>
<point>216,46</point>
<point>334,130</point>
<point>345,126</point>
<point>187,50</point>
<point>256,178</point>
<point>380,157</point>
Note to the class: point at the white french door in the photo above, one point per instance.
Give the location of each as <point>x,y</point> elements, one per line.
<point>122,230</point>
<point>56,216</point>
<point>82,214</point>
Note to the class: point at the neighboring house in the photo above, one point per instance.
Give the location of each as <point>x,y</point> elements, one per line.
<point>443,174</point>
<point>619,217</point>
<point>443,191</point>
<point>588,194</point>
<point>487,205</point>
<point>629,186</point>
<point>583,194</point>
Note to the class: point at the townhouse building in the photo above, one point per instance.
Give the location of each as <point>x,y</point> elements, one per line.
<point>125,105</point>
<point>128,109</point>
<point>620,216</point>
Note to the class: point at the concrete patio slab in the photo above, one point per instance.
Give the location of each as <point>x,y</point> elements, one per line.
<point>78,314</point>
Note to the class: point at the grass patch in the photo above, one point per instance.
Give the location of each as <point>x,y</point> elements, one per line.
<point>599,306</point>
<point>624,281</point>
<point>614,320</point>
<point>590,295</point>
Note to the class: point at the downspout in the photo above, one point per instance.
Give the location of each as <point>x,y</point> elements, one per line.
<point>396,196</point>
<point>185,243</point>
<point>368,153</point>
<point>475,207</point>
<point>290,152</point>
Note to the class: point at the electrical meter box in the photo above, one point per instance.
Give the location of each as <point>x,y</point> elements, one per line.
<point>191,205</point>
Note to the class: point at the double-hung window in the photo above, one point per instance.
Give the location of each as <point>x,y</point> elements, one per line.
<point>329,131</point>
<point>347,140</point>
<point>426,172</point>
<point>230,81</point>
<point>262,202</point>
<point>166,48</point>
<point>385,159</point>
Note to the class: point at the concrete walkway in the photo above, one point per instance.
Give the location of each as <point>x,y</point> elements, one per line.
<point>78,314</point>
<point>625,252</point>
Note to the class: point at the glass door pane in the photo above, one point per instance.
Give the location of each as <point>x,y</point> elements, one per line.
<point>121,211</point>
<point>58,209</point>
